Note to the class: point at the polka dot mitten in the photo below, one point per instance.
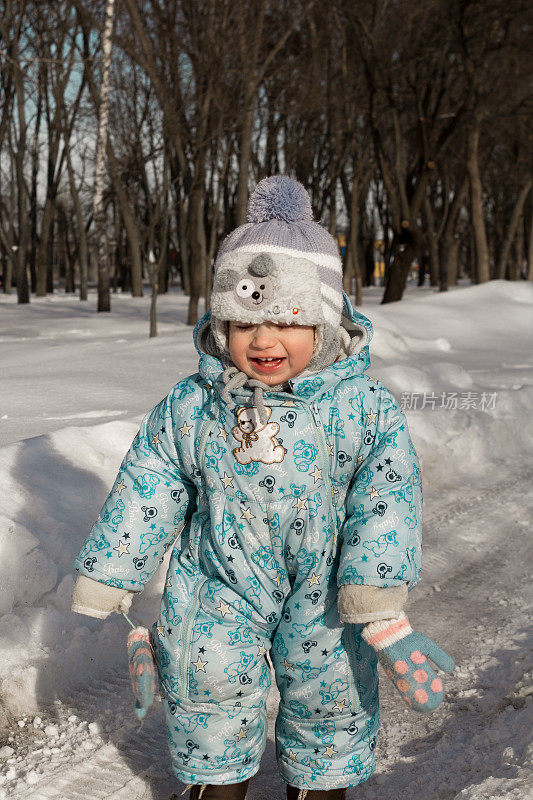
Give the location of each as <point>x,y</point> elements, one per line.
<point>404,654</point>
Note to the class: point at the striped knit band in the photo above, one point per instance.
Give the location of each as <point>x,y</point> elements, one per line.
<point>386,632</point>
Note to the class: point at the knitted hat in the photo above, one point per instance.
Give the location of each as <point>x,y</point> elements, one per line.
<point>280,267</point>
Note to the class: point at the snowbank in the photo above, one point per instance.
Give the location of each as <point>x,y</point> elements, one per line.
<point>461,363</point>
<point>52,487</point>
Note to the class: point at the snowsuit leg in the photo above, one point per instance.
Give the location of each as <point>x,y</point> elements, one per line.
<point>214,680</point>
<point>326,673</point>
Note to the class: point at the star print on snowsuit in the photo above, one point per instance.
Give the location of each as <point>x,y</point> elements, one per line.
<point>260,545</point>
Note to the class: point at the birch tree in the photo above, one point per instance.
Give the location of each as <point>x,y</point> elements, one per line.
<point>99,211</point>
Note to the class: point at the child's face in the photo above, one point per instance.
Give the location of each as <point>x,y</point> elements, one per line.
<point>290,345</point>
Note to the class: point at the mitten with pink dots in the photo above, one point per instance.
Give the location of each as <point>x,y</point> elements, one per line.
<point>404,654</point>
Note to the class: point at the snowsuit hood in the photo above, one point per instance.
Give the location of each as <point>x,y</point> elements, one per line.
<point>353,358</point>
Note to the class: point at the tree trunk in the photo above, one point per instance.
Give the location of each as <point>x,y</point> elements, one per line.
<point>255,72</point>
<point>81,233</point>
<point>244,164</point>
<point>184,255</point>
<point>132,228</point>
<point>399,270</point>
<point>34,177</point>
<point>45,265</point>
<point>64,251</point>
<point>107,147</point>
<point>214,227</point>
<point>347,272</point>
<point>449,241</point>
<point>104,298</point>
<point>163,272</point>
<point>512,228</point>
<point>7,271</point>
<point>50,257</point>
<point>159,267</point>
<point>370,264</point>
<point>530,249</point>
<point>7,248</point>
<point>117,228</point>
<point>250,57</point>
<point>515,271</point>
<point>120,259</point>
<point>333,206</point>
<point>197,250</point>
<point>434,266</point>
<point>353,265</point>
<point>422,269</point>
<point>44,250</point>
<point>449,252</point>
<point>23,289</point>
<point>154,280</point>
<point>482,269</point>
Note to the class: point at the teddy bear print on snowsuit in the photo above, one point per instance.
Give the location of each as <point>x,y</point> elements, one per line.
<point>257,442</point>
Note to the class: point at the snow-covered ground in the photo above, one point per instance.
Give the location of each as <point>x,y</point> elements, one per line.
<point>74,387</point>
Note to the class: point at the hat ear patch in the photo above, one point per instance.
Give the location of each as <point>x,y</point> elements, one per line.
<point>226,280</point>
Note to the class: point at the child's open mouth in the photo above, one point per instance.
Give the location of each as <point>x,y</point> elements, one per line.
<point>267,364</point>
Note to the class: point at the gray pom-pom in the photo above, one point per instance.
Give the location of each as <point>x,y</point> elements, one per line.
<point>279,197</point>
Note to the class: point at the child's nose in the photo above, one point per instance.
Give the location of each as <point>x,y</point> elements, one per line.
<point>264,336</point>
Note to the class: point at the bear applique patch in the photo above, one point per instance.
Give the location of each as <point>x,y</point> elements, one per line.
<point>257,442</point>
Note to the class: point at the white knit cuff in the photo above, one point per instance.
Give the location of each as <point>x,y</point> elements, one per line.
<point>382,634</point>
<point>89,612</point>
<point>359,604</point>
<point>96,599</point>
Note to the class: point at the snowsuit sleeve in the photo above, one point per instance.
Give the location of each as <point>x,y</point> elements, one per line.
<point>149,505</point>
<point>381,534</point>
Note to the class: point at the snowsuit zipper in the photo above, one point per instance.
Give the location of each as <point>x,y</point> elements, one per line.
<point>320,437</point>
<point>186,639</point>
<point>204,435</point>
<point>349,644</point>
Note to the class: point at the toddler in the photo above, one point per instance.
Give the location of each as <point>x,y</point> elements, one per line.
<point>285,482</point>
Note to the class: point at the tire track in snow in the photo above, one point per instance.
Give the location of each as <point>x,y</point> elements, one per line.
<point>483,519</point>
<point>477,745</point>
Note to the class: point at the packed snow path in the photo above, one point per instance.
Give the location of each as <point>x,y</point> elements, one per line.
<point>477,746</point>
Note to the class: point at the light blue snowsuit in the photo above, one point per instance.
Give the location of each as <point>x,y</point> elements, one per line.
<point>266,522</point>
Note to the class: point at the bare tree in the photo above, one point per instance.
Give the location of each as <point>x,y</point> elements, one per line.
<point>422,129</point>
<point>16,246</point>
<point>104,300</point>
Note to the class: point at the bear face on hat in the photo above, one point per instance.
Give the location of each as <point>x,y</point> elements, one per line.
<point>254,288</point>
<point>267,288</point>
